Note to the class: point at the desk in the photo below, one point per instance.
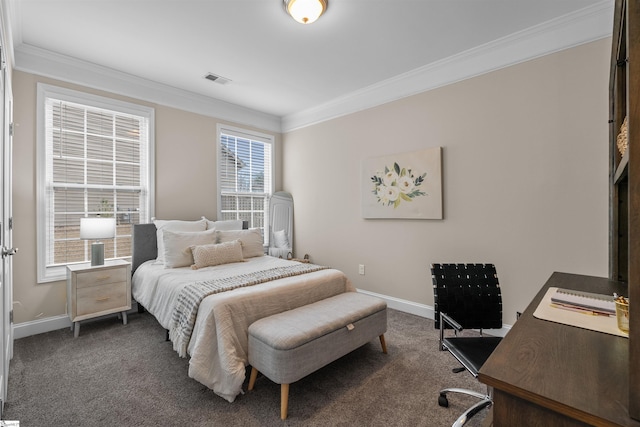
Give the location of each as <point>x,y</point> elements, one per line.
<point>550,374</point>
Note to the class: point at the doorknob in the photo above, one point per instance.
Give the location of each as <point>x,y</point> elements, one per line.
<point>6,252</point>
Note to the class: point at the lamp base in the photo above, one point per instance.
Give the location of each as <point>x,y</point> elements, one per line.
<point>97,253</point>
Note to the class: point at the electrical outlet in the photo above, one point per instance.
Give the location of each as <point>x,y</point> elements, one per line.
<point>361,269</point>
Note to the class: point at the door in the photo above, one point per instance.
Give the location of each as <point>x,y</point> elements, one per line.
<point>6,226</point>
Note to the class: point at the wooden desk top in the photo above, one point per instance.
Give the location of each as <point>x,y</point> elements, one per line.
<point>577,372</point>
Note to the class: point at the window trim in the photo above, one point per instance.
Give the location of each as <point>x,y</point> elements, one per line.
<point>44,91</point>
<point>253,135</point>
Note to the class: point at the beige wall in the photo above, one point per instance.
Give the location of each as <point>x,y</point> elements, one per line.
<point>525,180</point>
<point>185,182</point>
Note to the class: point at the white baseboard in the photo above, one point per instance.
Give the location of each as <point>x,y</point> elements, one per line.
<point>422,310</point>
<point>40,326</point>
<point>404,305</point>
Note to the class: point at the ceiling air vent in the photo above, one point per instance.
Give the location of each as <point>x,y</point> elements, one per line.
<point>218,79</point>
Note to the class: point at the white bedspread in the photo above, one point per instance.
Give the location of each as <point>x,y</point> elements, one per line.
<point>218,346</point>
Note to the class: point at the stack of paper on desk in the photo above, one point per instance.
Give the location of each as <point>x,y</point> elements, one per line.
<point>582,318</point>
<point>579,300</point>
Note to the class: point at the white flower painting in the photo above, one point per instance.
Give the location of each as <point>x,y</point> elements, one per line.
<point>396,184</point>
<point>407,185</point>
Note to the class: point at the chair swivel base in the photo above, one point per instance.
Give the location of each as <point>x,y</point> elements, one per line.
<point>485,402</point>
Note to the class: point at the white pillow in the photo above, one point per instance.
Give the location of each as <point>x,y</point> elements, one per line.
<point>216,254</point>
<point>280,240</point>
<point>175,225</point>
<point>252,241</point>
<point>177,244</point>
<point>226,225</point>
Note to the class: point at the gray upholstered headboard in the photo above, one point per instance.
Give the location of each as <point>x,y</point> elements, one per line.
<point>144,243</point>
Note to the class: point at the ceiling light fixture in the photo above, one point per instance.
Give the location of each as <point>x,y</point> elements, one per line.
<point>305,11</point>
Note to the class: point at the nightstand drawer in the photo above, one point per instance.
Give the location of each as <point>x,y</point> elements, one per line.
<point>100,277</point>
<point>95,299</point>
<point>98,290</point>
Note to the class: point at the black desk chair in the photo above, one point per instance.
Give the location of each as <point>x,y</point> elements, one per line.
<point>467,296</point>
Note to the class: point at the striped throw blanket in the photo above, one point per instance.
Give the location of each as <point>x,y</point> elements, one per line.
<point>184,314</point>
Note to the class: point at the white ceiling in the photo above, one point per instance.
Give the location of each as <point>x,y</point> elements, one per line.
<point>276,66</point>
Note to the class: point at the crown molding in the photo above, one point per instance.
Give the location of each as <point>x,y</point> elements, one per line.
<point>584,26</point>
<point>43,62</point>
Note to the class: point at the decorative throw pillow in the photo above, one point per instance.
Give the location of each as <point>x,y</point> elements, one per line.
<point>226,225</point>
<point>175,225</point>
<point>177,244</point>
<point>252,241</point>
<point>280,239</point>
<point>216,254</point>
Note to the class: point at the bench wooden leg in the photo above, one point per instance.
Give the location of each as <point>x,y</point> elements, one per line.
<point>252,378</point>
<point>284,401</point>
<point>383,344</point>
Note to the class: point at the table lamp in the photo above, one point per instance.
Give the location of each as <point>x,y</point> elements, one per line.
<point>96,229</point>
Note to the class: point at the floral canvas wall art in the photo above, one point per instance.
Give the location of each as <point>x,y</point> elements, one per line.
<point>406,185</point>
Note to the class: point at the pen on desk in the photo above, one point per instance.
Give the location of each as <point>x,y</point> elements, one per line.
<point>580,310</point>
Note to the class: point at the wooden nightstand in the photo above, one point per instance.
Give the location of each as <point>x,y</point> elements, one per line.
<point>94,291</point>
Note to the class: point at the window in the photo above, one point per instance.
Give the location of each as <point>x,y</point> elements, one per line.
<point>94,159</point>
<point>245,176</point>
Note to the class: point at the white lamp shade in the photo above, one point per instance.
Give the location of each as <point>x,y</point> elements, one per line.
<point>97,228</point>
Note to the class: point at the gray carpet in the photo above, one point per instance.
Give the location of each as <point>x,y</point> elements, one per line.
<point>128,375</point>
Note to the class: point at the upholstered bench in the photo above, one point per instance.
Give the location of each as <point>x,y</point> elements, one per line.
<point>289,346</point>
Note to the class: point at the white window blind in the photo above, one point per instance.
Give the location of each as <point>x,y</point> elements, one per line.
<point>95,161</point>
<point>245,176</point>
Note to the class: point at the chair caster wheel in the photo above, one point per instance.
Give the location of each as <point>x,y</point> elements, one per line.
<point>443,401</point>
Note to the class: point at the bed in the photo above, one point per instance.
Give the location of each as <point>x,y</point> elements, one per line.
<point>217,343</point>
